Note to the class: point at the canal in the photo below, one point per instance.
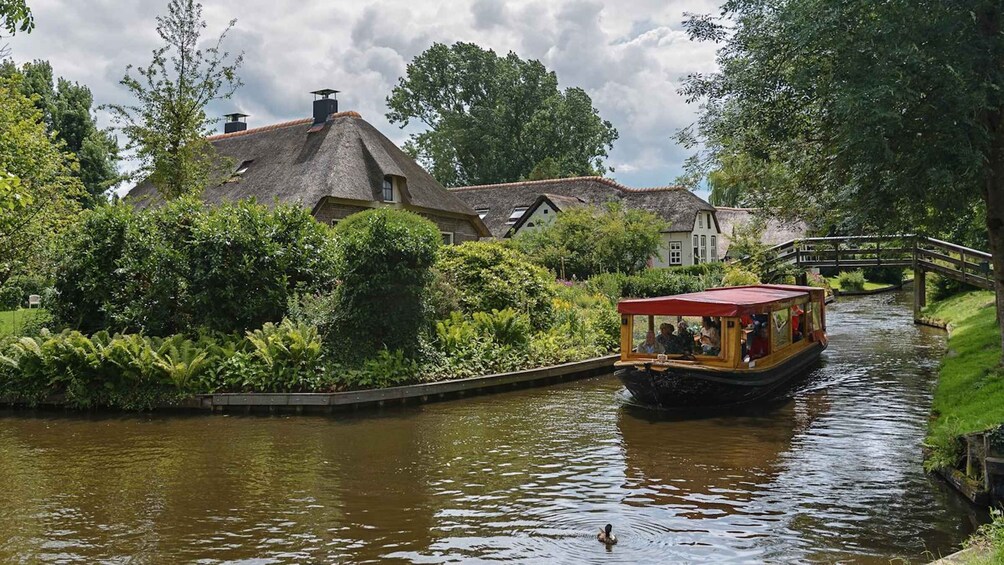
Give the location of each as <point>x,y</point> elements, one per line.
<point>833,473</point>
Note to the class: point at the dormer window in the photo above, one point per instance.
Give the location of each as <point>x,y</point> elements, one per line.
<point>517,213</point>
<point>482,212</point>
<point>388,188</point>
<point>244,167</point>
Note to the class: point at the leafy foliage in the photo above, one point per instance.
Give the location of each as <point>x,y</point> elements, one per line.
<point>383,258</point>
<point>851,280</point>
<point>38,189</point>
<point>66,112</point>
<point>489,276</point>
<point>495,119</point>
<point>658,282</point>
<point>187,266</point>
<point>584,241</point>
<point>168,124</point>
<point>737,276</point>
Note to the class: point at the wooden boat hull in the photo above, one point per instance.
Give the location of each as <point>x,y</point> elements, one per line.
<point>678,387</point>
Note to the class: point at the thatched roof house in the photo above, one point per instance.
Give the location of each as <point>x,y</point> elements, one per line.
<point>508,208</point>
<point>774,232</point>
<point>334,164</point>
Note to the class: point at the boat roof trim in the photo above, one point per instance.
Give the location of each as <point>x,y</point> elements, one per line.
<point>724,302</point>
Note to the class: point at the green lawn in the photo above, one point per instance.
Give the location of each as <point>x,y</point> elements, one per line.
<point>835,284</point>
<point>8,319</point>
<point>970,392</point>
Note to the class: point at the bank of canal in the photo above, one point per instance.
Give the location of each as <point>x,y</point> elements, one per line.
<point>834,473</point>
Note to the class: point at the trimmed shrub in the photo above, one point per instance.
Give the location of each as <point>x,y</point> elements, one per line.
<point>188,266</point>
<point>383,258</point>
<point>490,276</point>
<point>851,280</point>
<point>658,282</point>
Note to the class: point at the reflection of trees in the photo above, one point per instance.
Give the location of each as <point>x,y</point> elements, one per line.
<point>233,488</point>
<point>712,465</point>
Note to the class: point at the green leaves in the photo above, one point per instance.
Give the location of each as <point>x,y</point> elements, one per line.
<point>167,124</point>
<point>495,119</point>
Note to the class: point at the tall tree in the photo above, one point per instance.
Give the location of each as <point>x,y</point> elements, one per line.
<point>168,124</point>
<point>886,116</point>
<point>38,190</point>
<point>66,109</point>
<point>495,119</point>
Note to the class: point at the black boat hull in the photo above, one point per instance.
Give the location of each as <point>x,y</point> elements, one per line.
<point>696,388</point>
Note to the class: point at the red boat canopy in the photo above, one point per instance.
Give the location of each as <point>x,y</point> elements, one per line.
<point>726,302</point>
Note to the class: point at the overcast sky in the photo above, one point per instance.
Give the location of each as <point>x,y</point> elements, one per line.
<point>629,55</point>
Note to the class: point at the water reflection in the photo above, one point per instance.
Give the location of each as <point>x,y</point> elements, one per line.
<point>831,473</point>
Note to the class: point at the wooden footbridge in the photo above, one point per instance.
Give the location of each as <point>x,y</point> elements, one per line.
<point>920,253</point>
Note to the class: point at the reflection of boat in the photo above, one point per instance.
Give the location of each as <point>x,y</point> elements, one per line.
<point>785,326</point>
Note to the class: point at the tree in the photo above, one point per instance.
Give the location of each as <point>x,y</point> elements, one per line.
<point>168,124</point>
<point>15,16</point>
<point>495,119</point>
<point>887,116</point>
<point>582,242</point>
<point>66,112</point>
<point>38,188</point>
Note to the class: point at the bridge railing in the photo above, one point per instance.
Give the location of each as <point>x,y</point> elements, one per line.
<point>970,266</point>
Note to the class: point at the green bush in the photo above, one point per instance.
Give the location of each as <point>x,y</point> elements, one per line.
<point>15,291</point>
<point>884,275</point>
<point>737,276</point>
<point>490,276</point>
<point>658,282</point>
<point>582,242</point>
<point>851,280</point>
<point>384,258</point>
<point>941,287</point>
<point>188,266</point>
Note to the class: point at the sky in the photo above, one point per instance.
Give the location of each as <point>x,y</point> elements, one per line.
<point>630,56</point>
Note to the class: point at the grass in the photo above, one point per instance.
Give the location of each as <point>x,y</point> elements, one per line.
<point>970,393</point>
<point>835,284</point>
<point>9,319</point>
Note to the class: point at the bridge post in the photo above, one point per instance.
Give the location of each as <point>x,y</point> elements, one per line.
<point>919,290</point>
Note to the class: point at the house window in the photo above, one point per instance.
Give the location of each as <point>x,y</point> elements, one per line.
<point>388,189</point>
<point>675,252</point>
<point>704,249</point>
<point>447,237</point>
<point>482,212</point>
<point>700,221</point>
<point>697,257</point>
<point>709,221</point>
<point>244,167</point>
<point>714,248</point>
<point>517,213</point>
<point>334,221</point>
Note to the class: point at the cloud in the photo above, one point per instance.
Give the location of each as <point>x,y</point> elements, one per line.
<point>629,56</point>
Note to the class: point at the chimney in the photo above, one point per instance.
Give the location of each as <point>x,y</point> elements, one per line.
<point>235,122</point>
<point>324,106</point>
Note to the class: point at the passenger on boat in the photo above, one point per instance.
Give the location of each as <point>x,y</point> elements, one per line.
<point>684,338</point>
<point>668,339</point>
<point>759,342</point>
<point>650,345</point>
<point>796,325</point>
<point>711,340</point>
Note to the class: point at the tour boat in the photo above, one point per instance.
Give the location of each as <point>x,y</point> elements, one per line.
<point>754,341</point>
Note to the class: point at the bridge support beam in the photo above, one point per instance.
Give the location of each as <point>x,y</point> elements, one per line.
<point>919,291</point>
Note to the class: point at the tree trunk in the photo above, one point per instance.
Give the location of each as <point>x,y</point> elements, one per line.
<point>993,195</point>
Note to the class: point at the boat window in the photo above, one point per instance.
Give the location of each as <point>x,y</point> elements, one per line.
<point>780,328</point>
<point>676,336</point>
<point>815,323</point>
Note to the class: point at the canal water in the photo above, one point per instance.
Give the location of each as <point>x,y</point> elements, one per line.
<point>831,474</point>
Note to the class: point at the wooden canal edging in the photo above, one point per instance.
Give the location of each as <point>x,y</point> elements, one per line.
<point>419,393</point>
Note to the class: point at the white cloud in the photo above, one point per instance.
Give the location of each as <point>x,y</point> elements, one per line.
<point>629,55</point>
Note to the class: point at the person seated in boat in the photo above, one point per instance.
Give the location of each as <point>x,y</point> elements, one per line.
<point>668,339</point>
<point>796,323</point>
<point>650,345</point>
<point>759,342</point>
<point>684,338</point>
<point>711,338</point>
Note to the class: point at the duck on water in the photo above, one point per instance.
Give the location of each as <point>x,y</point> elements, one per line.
<point>719,347</point>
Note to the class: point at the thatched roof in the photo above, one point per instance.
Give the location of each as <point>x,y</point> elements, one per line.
<point>676,205</point>
<point>298,163</point>
<point>774,232</point>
